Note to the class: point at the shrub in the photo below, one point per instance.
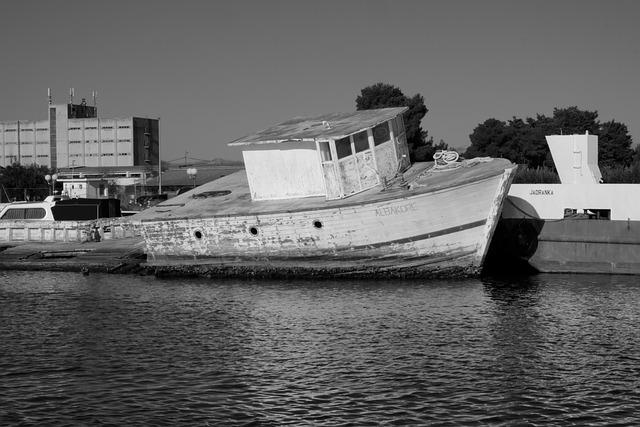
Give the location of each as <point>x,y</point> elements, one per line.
<point>541,175</point>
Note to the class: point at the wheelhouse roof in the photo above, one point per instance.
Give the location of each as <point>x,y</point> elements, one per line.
<point>321,127</point>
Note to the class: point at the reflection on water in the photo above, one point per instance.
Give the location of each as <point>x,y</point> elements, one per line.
<point>128,350</point>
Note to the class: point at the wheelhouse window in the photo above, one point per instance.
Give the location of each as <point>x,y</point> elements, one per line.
<point>343,147</point>
<point>325,151</point>
<point>361,141</point>
<point>381,133</point>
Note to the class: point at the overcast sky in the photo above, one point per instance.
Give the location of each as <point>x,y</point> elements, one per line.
<point>214,71</point>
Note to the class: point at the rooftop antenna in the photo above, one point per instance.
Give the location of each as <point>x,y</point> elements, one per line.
<point>49,95</point>
<point>95,100</point>
<point>71,96</point>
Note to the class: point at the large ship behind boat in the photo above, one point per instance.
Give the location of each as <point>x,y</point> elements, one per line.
<point>578,226</point>
<point>332,194</point>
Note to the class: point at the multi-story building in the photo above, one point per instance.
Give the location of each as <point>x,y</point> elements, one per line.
<point>74,142</point>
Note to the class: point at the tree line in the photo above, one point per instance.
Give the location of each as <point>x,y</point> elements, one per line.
<point>523,141</point>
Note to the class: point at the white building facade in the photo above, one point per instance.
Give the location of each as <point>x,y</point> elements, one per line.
<point>73,136</point>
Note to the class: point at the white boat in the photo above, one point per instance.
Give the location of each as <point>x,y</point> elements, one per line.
<point>327,195</point>
<point>578,226</point>
<point>61,208</point>
<point>63,219</point>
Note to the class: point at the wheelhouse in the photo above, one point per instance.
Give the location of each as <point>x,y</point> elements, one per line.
<point>332,155</point>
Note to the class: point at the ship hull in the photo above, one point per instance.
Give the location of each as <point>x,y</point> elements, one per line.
<point>569,228</point>
<point>572,245</point>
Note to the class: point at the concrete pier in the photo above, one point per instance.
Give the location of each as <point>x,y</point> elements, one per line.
<point>116,256</point>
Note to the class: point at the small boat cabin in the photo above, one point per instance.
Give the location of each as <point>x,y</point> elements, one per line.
<point>333,155</point>
<point>62,208</point>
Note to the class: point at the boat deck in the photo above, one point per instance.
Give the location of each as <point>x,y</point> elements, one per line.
<point>230,195</point>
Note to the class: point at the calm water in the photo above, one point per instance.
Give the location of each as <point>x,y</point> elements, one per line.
<point>124,351</point>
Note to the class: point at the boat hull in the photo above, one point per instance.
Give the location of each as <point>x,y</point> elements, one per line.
<point>571,245</point>
<point>425,232</point>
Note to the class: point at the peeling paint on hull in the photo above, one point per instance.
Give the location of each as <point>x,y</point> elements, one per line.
<point>440,228</point>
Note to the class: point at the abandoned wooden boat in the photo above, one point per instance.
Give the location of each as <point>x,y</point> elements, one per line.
<point>578,226</point>
<point>327,195</point>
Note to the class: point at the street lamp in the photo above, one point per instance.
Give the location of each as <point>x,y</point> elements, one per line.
<point>73,166</point>
<point>192,172</point>
<point>51,179</point>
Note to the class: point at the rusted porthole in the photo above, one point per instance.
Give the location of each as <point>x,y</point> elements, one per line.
<point>197,234</point>
<point>253,231</point>
<point>317,223</point>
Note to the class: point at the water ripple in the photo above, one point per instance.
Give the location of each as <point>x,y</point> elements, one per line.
<point>108,350</point>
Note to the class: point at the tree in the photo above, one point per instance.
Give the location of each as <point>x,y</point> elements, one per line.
<point>382,95</point>
<point>24,182</point>
<point>569,121</point>
<point>614,144</point>
<point>488,139</point>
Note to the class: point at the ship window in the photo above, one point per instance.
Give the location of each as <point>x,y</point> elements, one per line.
<point>381,133</point>
<point>587,213</point>
<point>325,152</point>
<point>24,213</point>
<point>361,141</point>
<point>343,147</point>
